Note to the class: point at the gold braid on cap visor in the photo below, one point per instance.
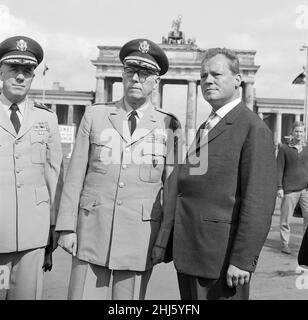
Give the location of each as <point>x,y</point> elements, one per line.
<point>143,62</point>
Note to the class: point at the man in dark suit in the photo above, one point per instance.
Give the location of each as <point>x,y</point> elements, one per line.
<point>221,208</point>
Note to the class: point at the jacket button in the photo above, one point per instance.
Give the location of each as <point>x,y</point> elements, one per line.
<point>18,170</point>
<point>18,185</point>
<point>121,184</point>
<point>119,202</point>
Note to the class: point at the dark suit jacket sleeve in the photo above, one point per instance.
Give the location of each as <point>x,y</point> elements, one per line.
<point>68,212</point>
<point>280,166</point>
<point>258,186</point>
<point>302,257</point>
<point>174,158</point>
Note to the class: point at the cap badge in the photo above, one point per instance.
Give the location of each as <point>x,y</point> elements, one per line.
<point>21,45</point>
<point>144,47</point>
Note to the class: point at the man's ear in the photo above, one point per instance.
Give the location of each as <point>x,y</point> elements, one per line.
<point>237,80</point>
<point>1,72</point>
<point>157,80</point>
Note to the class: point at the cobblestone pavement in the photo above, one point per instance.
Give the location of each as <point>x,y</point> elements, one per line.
<point>274,279</point>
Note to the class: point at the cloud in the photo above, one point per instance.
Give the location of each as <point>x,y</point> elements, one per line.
<point>9,24</point>
<point>241,41</point>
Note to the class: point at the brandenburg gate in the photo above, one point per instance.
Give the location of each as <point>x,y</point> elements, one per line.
<point>184,60</point>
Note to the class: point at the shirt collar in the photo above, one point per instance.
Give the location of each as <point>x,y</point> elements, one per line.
<point>7,103</point>
<point>140,111</point>
<point>228,107</point>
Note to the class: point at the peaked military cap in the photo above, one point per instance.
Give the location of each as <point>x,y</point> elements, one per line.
<point>21,50</point>
<point>144,53</point>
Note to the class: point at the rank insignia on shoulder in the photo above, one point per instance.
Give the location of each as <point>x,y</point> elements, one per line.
<point>42,106</point>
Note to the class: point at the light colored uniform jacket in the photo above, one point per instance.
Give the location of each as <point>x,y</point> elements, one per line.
<point>29,170</point>
<point>112,195</point>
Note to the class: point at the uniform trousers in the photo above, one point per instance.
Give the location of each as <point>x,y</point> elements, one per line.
<point>288,204</point>
<point>196,288</point>
<point>25,275</point>
<point>93,282</point>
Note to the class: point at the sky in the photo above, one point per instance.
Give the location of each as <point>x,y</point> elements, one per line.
<point>70,31</point>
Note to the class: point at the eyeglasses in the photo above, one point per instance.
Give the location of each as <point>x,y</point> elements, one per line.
<point>142,74</point>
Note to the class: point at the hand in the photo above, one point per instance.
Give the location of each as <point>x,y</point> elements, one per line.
<point>53,240</point>
<point>68,242</point>
<point>158,254</point>
<point>280,193</point>
<point>236,276</point>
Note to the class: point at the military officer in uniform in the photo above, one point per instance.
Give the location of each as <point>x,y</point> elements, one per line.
<point>30,160</point>
<point>111,205</point>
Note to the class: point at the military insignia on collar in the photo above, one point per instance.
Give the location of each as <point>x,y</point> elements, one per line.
<point>144,47</point>
<point>21,45</point>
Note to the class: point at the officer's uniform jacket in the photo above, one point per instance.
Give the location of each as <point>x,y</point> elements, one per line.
<point>29,169</point>
<point>113,187</point>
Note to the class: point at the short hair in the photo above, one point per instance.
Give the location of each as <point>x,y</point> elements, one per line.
<point>298,124</point>
<point>234,63</point>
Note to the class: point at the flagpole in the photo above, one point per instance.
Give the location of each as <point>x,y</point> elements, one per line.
<point>305,48</point>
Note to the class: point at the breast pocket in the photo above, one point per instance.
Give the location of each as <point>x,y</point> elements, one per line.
<point>38,147</point>
<point>101,156</point>
<point>152,163</point>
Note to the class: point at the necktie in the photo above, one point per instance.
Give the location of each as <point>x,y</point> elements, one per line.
<point>132,121</point>
<point>204,126</point>
<point>14,117</point>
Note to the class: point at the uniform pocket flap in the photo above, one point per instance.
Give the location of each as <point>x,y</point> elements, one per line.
<point>156,150</point>
<point>36,137</point>
<point>87,202</point>
<point>41,194</point>
<point>151,211</point>
<point>96,140</point>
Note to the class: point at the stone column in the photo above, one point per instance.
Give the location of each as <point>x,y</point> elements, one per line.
<point>161,94</point>
<point>100,89</point>
<point>70,116</point>
<point>108,90</point>
<point>297,117</point>
<point>156,97</point>
<point>277,133</point>
<point>247,94</point>
<point>191,112</point>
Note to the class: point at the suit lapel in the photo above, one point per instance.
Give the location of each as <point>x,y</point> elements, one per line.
<point>222,125</point>
<point>147,124</point>
<point>6,123</point>
<point>118,119</point>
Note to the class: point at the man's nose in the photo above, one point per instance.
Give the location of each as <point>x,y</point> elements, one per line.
<point>208,79</point>
<point>136,76</point>
<point>20,76</point>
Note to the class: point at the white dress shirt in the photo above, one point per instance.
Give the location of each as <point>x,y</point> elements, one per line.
<point>6,104</point>
<point>140,111</point>
<point>220,114</point>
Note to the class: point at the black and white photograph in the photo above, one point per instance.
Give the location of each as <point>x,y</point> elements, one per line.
<point>153,151</point>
